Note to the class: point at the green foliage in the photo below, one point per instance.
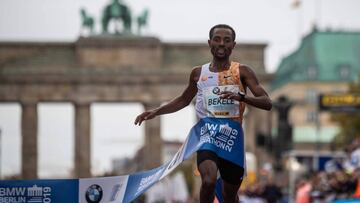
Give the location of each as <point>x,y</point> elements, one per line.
<point>348,122</point>
<point>350,128</point>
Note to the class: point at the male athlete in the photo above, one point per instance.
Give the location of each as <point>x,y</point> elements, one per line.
<point>229,81</point>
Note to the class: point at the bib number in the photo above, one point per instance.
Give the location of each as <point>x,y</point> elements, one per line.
<point>221,108</point>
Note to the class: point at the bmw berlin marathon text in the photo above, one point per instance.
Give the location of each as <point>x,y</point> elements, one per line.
<point>34,194</point>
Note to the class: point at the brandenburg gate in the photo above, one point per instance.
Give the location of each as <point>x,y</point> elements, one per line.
<point>105,69</point>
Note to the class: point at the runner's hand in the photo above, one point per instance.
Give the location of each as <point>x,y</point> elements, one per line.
<point>147,115</point>
<point>229,95</point>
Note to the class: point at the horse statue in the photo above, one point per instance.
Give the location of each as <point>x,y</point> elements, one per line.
<point>117,11</point>
<point>87,21</point>
<point>142,20</point>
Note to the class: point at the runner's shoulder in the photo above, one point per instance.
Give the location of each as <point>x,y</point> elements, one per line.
<point>245,69</point>
<point>196,69</point>
<point>195,73</point>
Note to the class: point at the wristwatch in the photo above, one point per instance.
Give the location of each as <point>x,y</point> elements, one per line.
<point>242,96</point>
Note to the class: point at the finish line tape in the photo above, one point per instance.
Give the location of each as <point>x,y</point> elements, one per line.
<point>222,136</point>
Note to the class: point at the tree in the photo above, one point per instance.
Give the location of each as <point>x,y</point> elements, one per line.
<point>349,122</point>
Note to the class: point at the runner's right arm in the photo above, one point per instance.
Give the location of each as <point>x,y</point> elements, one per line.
<point>176,104</point>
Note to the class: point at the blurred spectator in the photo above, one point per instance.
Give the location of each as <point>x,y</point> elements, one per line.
<point>252,194</point>
<point>347,165</point>
<point>355,155</point>
<point>355,179</point>
<point>271,192</point>
<point>333,165</point>
<point>303,191</point>
<point>319,187</point>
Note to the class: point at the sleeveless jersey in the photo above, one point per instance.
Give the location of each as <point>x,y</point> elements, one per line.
<point>210,84</point>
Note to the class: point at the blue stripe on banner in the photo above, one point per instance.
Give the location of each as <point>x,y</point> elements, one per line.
<point>346,201</point>
<point>138,183</point>
<point>222,136</point>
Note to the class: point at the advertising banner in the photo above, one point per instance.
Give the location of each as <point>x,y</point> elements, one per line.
<point>222,136</point>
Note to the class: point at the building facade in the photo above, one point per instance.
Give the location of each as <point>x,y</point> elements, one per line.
<point>325,62</point>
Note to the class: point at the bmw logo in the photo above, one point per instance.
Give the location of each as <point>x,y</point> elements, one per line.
<point>216,90</point>
<point>94,194</point>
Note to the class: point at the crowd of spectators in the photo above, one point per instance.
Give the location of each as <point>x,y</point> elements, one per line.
<point>267,192</point>
<point>326,187</point>
<point>339,181</point>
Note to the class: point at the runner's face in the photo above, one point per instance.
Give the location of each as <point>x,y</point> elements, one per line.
<point>221,44</point>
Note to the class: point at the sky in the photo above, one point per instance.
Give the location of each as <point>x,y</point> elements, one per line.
<point>274,22</point>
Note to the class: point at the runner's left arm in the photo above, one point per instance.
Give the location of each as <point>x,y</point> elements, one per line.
<point>174,105</point>
<point>260,99</point>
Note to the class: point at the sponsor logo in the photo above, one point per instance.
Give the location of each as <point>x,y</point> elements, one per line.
<point>216,90</point>
<point>221,135</point>
<point>34,194</point>
<point>94,194</point>
<point>147,181</point>
<point>225,113</point>
<point>205,77</point>
<point>115,191</point>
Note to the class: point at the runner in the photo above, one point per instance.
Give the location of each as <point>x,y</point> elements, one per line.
<point>220,88</point>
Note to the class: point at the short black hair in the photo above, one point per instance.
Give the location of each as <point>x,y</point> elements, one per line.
<point>211,33</point>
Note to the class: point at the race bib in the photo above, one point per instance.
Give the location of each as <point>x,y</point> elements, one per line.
<point>221,108</point>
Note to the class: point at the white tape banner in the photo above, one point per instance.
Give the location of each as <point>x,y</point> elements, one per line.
<point>222,136</point>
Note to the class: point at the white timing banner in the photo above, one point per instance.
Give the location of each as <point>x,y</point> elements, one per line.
<point>222,136</point>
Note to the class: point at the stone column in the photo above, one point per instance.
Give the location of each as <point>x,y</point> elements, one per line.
<point>153,141</point>
<point>82,141</point>
<point>29,124</point>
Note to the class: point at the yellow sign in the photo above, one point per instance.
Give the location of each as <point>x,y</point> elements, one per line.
<point>340,102</point>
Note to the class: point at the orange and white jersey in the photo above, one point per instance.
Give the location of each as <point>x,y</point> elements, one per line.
<point>210,85</point>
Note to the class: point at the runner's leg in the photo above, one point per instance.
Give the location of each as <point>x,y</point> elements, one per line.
<point>231,175</point>
<point>208,170</point>
<point>230,192</point>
